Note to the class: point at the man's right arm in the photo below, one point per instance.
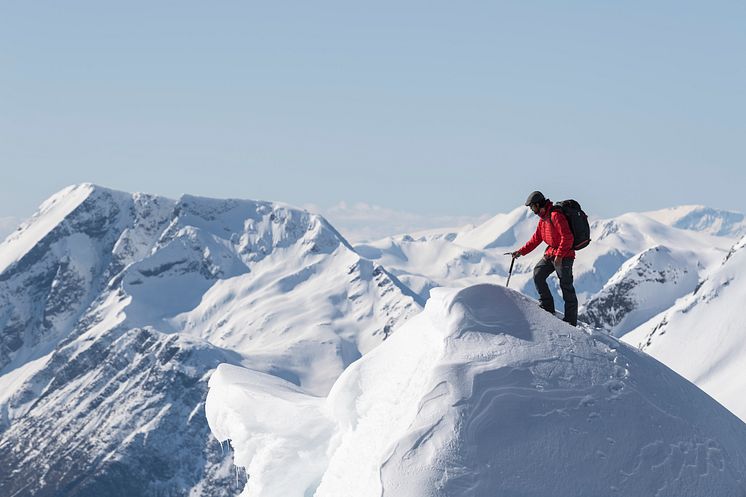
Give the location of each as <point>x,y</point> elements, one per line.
<point>532,243</point>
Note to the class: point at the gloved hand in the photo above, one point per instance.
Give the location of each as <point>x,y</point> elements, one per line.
<point>515,254</point>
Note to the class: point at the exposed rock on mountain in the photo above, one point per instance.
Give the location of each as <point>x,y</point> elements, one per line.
<point>644,286</point>
<point>115,309</point>
<point>703,336</point>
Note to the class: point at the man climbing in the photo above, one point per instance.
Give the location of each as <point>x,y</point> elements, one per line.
<point>559,256</point>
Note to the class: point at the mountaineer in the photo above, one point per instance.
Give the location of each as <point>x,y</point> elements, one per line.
<point>555,231</point>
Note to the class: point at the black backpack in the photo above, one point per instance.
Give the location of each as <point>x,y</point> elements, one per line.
<point>578,221</point>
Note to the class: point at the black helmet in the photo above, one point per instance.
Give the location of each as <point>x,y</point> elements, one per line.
<point>536,198</point>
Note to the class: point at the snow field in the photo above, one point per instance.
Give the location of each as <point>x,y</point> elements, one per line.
<point>484,394</point>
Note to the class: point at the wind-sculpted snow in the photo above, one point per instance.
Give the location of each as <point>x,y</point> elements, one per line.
<point>115,308</point>
<point>483,394</point>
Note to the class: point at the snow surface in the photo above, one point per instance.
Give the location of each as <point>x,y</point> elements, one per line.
<point>116,307</point>
<point>703,336</point>
<point>483,394</point>
<point>49,215</point>
<point>476,255</point>
<point>646,285</point>
<point>702,219</point>
<point>12,381</point>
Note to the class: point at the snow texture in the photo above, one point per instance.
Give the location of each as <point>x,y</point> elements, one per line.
<point>115,308</point>
<point>703,336</point>
<point>483,394</point>
<point>475,255</point>
<point>644,286</point>
<point>703,219</point>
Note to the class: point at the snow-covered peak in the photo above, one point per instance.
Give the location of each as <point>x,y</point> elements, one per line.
<point>703,336</point>
<point>117,302</point>
<point>226,217</point>
<point>51,212</point>
<point>644,286</point>
<point>58,262</point>
<point>701,218</point>
<point>221,218</point>
<point>483,394</point>
<point>502,230</point>
<point>477,254</point>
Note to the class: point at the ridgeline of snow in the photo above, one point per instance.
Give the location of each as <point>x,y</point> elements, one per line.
<point>50,214</point>
<point>703,336</point>
<point>477,254</point>
<point>645,285</point>
<point>483,394</point>
<point>703,219</point>
<point>116,307</point>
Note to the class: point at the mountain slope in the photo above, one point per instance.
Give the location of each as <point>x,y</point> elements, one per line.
<point>477,254</point>
<point>483,394</point>
<point>644,286</point>
<point>703,337</point>
<point>703,219</point>
<point>59,262</point>
<point>116,308</point>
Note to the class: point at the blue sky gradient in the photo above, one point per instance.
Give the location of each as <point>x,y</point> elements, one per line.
<point>438,108</point>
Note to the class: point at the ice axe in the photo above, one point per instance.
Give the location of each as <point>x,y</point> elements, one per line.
<point>510,273</point>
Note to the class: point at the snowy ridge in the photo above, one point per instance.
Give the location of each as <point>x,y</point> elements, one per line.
<point>477,254</point>
<point>46,288</point>
<point>644,286</point>
<point>483,394</point>
<point>703,336</point>
<point>703,219</point>
<point>117,315</point>
<point>500,231</point>
<point>51,213</point>
<point>115,309</point>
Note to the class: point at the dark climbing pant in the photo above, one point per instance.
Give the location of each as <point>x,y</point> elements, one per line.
<point>542,270</point>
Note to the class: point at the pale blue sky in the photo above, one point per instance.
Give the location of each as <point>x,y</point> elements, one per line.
<point>436,108</point>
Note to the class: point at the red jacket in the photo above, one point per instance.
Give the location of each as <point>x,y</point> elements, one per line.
<point>554,230</point>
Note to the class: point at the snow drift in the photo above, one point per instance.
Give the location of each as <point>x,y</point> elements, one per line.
<point>483,394</point>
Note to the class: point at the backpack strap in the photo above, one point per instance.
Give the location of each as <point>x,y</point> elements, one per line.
<point>555,208</point>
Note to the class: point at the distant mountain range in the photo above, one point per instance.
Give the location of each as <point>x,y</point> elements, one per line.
<point>115,309</point>
<point>476,254</point>
<point>703,219</point>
